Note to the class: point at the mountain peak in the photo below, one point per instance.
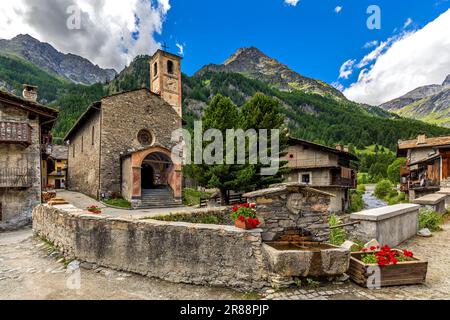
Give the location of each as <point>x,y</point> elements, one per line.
<point>446,81</point>
<point>255,64</point>
<point>70,66</point>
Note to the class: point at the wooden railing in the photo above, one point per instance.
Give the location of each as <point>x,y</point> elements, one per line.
<point>234,198</point>
<point>15,132</point>
<point>15,178</point>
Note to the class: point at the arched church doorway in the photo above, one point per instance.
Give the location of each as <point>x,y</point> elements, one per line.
<point>155,171</point>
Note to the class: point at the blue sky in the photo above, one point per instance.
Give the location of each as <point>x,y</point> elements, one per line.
<point>310,37</point>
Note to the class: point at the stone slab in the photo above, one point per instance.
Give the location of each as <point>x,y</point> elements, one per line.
<point>431,199</point>
<point>384,213</point>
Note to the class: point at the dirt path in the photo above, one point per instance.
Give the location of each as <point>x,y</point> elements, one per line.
<point>29,271</point>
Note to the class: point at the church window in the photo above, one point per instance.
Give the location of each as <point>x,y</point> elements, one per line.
<point>93,135</point>
<point>170,67</point>
<point>155,69</point>
<point>145,137</point>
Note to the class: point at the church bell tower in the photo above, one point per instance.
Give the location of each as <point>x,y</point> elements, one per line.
<point>165,78</point>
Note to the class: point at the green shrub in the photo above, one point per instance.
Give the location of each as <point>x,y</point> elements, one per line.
<point>430,219</point>
<point>337,235</point>
<point>383,189</point>
<point>361,188</point>
<point>356,201</point>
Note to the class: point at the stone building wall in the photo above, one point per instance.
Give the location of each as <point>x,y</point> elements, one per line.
<point>174,251</point>
<point>291,207</point>
<point>84,158</point>
<point>17,205</point>
<point>123,116</point>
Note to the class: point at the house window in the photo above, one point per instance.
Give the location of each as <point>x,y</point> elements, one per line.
<point>93,135</point>
<point>170,67</point>
<point>305,178</point>
<point>82,144</point>
<point>73,150</point>
<point>155,69</point>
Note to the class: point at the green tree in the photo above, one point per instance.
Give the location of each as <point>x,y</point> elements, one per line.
<point>263,112</point>
<point>221,114</point>
<point>393,171</point>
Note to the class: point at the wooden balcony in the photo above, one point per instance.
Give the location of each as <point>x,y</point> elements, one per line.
<point>344,178</point>
<point>15,133</point>
<point>15,178</point>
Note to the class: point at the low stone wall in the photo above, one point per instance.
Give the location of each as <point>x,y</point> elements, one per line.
<point>177,252</point>
<point>435,202</point>
<point>390,225</point>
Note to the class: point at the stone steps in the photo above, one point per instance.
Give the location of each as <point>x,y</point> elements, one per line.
<point>158,198</point>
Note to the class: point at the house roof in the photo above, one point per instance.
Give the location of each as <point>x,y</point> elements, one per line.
<point>428,142</point>
<point>59,152</point>
<point>296,141</point>
<point>45,112</point>
<point>286,187</point>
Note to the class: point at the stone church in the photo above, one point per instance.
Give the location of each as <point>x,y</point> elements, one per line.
<point>121,146</point>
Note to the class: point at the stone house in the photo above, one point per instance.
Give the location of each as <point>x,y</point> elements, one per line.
<point>427,166</point>
<point>324,168</point>
<point>54,168</point>
<point>24,130</point>
<point>121,146</point>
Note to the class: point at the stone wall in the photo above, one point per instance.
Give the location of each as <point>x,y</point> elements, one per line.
<point>173,251</point>
<point>292,207</point>
<point>84,158</point>
<point>136,110</point>
<point>17,204</point>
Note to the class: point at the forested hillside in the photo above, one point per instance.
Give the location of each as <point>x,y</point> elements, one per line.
<point>319,118</point>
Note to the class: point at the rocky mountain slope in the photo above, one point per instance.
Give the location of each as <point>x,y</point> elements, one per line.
<point>254,64</point>
<point>69,66</point>
<point>428,103</point>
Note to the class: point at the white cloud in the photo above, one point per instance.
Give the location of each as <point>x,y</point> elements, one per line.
<point>291,2</point>
<point>338,86</point>
<point>338,9</point>
<point>374,54</point>
<point>180,49</point>
<point>105,36</point>
<point>407,23</point>
<point>346,69</point>
<point>370,44</point>
<point>415,59</point>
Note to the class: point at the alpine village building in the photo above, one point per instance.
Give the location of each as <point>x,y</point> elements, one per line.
<point>427,168</point>
<point>324,168</point>
<point>25,138</point>
<point>121,146</point>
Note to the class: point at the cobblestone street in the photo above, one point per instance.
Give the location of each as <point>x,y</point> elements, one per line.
<point>28,270</point>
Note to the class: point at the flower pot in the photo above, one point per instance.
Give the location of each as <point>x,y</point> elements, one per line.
<point>402,273</point>
<point>241,224</point>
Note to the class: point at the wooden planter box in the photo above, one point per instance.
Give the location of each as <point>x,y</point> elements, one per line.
<point>402,273</point>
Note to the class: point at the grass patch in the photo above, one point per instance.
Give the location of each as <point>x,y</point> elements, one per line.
<point>202,218</point>
<point>251,296</point>
<point>430,219</point>
<point>191,197</point>
<point>119,202</point>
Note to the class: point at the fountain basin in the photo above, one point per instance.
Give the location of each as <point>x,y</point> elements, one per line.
<point>304,259</point>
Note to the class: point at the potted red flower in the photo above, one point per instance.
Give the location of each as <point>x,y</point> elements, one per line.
<point>393,266</point>
<point>244,216</point>
<point>94,209</point>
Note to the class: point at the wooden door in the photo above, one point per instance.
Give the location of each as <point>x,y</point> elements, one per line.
<point>445,168</point>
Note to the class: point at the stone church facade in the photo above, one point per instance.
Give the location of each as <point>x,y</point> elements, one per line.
<point>121,146</point>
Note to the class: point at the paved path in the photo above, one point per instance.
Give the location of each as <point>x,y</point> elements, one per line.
<point>30,270</point>
<point>82,201</point>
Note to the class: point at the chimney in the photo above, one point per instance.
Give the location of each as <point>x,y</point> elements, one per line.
<point>30,92</point>
<point>338,147</point>
<point>421,139</point>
